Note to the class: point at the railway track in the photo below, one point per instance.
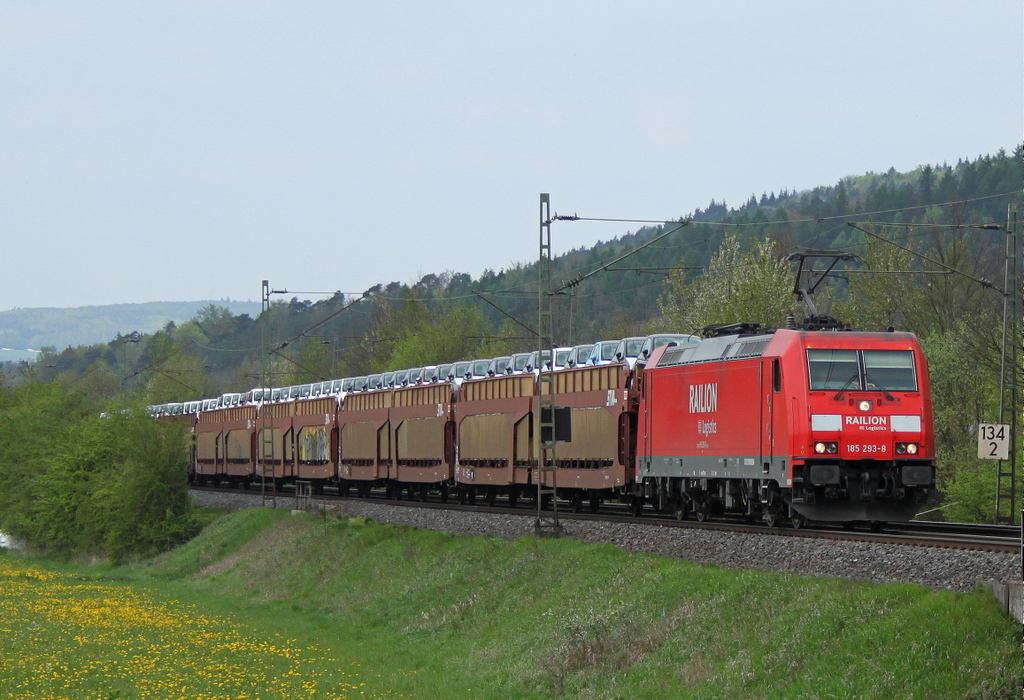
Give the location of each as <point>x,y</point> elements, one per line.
<point>966,536</point>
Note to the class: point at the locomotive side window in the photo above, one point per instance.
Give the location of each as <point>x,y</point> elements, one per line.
<point>776,376</point>
<point>833,369</point>
<point>862,370</point>
<point>890,369</point>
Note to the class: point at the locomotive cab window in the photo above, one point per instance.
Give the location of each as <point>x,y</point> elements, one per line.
<point>833,369</point>
<point>861,370</point>
<point>889,369</point>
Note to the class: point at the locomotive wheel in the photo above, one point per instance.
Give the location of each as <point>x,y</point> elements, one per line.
<point>577,502</point>
<point>681,509</point>
<point>701,511</point>
<point>877,525</point>
<point>595,503</point>
<point>797,520</point>
<point>772,516</point>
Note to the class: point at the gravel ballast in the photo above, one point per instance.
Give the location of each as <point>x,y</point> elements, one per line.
<point>953,569</point>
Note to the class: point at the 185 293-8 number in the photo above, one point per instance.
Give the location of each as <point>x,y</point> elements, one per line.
<point>868,449</point>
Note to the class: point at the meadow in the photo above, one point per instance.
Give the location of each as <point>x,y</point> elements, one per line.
<point>68,636</point>
<point>264,604</point>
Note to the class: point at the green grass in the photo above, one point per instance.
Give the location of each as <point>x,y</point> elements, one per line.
<point>425,615</point>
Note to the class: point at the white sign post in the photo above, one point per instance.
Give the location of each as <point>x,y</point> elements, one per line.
<point>993,441</point>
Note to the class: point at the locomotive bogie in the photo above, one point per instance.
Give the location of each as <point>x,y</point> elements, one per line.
<point>865,490</point>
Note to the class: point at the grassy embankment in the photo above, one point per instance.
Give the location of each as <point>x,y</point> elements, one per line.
<point>266,605</point>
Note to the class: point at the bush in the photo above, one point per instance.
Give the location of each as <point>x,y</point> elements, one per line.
<point>114,484</point>
<point>35,420</point>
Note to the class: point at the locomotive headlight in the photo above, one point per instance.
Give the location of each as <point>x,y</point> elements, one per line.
<point>864,405</point>
<point>907,448</point>
<point>826,448</point>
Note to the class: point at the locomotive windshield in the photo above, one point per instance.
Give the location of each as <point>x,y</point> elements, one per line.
<point>862,370</point>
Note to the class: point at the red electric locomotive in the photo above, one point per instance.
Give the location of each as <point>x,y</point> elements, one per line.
<point>832,426</point>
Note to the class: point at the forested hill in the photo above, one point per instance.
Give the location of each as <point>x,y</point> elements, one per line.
<point>448,315</point>
<point>969,192</point>
<point>84,325</point>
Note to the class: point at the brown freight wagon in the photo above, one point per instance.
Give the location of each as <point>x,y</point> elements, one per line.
<point>494,452</point>
<point>364,455</point>
<point>495,419</point>
<point>423,421</point>
<point>315,429</point>
<point>225,445</point>
<point>597,463</point>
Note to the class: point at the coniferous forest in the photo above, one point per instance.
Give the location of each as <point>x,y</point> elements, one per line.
<point>930,247</point>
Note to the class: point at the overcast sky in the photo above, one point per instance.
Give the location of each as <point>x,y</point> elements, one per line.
<point>187,150</point>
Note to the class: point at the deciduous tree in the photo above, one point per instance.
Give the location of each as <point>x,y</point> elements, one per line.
<point>739,285</point>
